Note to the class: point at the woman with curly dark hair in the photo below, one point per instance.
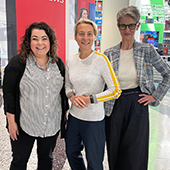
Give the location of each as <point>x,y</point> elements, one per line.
<point>34,97</point>
<point>25,47</point>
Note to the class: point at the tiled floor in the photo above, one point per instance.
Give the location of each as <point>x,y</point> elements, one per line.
<point>160,136</point>
<point>159,158</point>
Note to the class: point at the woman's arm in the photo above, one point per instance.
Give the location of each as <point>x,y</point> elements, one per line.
<point>162,67</point>
<point>12,126</point>
<point>113,90</point>
<point>77,101</point>
<point>12,75</point>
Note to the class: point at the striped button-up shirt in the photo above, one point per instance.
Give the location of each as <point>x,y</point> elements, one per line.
<point>40,99</point>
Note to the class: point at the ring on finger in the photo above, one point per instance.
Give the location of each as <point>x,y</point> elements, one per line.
<point>76,104</point>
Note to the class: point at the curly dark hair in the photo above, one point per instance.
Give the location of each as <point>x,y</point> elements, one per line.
<point>25,48</point>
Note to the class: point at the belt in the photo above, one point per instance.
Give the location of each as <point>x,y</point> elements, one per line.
<point>130,92</point>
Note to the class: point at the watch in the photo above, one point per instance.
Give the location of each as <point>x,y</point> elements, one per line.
<point>91,99</point>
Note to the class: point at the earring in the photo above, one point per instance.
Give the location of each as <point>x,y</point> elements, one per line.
<point>48,53</point>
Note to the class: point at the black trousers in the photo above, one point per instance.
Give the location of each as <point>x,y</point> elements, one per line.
<point>22,148</point>
<point>127,133</point>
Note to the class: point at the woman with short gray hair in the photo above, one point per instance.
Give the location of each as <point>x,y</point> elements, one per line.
<point>127,120</point>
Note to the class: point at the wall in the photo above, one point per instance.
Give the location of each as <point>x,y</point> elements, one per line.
<point>73,10</point>
<point>110,33</point>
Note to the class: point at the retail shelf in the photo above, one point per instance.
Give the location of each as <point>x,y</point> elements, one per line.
<point>166,38</point>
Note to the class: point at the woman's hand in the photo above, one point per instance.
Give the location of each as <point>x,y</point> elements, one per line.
<point>86,99</point>
<point>80,101</point>
<point>146,99</point>
<point>12,126</point>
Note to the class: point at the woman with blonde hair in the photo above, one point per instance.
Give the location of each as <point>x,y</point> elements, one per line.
<point>86,75</point>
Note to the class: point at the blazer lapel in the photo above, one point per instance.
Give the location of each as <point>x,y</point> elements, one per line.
<point>115,59</point>
<point>138,60</point>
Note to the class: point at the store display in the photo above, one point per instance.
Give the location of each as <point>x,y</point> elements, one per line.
<point>98,19</point>
<point>165,50</point>
<point>150,37</point>
<point>166,37</point>
<point>97,42</point>
<point>97,49</point>
<point>99,14</point>
<point>167,25</point>
<point>155,26</point>
<point>99,27</point>
<point>99,5</point>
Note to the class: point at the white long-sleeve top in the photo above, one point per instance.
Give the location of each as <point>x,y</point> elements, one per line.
<point>88,76</point>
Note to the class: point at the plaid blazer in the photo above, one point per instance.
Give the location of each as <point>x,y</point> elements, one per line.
<point>146,57</point>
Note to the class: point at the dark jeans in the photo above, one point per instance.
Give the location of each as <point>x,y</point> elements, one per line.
<point>92,134</point>
<point>22,149</point>
<point>127,133</point>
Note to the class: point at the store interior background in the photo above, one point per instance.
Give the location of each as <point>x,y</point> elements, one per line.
<point>154,11</point>
<point>157,12</point>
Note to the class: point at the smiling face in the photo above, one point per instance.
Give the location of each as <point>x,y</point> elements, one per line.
<point>84,14</point>
<point>85,36</point>
<point>127,34</point>
<point>40,44</point>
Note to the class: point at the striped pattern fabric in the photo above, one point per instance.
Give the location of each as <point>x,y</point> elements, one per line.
<point>40,99</point>
<point>89,76</point>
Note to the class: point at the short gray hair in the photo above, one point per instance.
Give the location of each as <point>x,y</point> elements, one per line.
<point>131,11</point>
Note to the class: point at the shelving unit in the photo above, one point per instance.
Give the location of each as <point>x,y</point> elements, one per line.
<point>98,18</point>
<point>166,37</point>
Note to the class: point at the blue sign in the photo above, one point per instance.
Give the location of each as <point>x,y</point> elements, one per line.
<point>99,36</point>
<point>99,21</point>
<point>99,14</point>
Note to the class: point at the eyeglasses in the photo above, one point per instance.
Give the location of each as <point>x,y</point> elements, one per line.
<point>130,26</point>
